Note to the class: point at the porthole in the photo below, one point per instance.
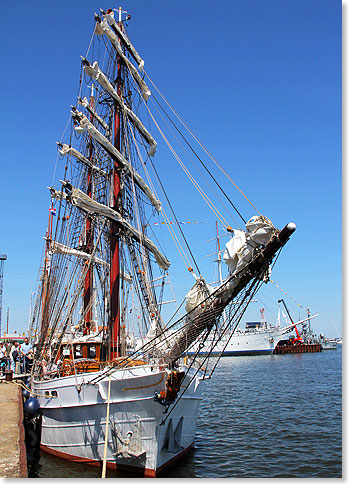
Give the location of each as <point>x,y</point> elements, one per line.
<point>52,394</point>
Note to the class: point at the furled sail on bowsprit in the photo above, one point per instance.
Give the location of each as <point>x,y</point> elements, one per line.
<point>106,328</point>
<point>249,259</point>
<point>202,314</point>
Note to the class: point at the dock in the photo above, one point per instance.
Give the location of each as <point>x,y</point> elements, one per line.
<point>299,348</point>
<point>13,462</point>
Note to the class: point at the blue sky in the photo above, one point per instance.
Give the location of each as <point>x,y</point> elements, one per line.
<point>259,81</point>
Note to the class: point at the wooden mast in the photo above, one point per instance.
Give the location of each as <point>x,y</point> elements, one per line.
<point>45,280</point>
<point>88,283</point>
<point>114,229</point>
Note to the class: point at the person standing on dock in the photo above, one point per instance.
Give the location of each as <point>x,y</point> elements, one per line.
<point>25,349</point>
<point>3,359</point>
<point>14,355</point>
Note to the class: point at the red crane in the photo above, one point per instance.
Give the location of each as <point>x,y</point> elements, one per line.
<point>298,336</point>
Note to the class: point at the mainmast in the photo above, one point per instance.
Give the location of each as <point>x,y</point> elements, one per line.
<point>114,226</point>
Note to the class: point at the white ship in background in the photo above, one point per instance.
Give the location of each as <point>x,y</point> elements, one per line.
<point>258,338</point>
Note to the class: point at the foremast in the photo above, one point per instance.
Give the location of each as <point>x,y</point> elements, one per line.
<point>88,285</point>
<point>121,168</point>
<point>95,222</point>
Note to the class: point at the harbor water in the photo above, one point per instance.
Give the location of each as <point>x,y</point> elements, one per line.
<point>261,416</point>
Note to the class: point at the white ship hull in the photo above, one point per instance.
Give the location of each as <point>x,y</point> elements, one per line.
<point>244,342</point>
<point>74,421</point>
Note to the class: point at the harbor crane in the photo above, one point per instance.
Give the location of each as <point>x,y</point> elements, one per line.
<point>298,336</point>
<point>3,257</point>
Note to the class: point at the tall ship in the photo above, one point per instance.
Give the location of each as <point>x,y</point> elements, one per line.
<point>102,402</point>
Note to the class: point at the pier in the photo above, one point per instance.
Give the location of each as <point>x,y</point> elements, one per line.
<point>299,348</point>
<point>13,461</point>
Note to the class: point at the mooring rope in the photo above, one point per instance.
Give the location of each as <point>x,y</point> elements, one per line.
<point>21,384</point>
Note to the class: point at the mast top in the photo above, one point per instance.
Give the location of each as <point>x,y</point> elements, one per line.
<point>120,12</point>
<point>92,87</point>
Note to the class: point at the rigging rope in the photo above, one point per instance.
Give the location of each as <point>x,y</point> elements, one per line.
<point>292,299</point>
<point>201,162</point>
<point>201,145</point>
<point>190,176</point>
<point>172,210</point>
<point>241,309</point>
<point>217,213</point>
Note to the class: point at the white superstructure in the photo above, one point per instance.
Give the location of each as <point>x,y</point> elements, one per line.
<point>261,339</point>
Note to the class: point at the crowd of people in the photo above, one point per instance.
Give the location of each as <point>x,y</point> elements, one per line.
<point>16,357</point>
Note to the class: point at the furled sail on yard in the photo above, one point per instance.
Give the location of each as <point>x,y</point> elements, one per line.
<point>110,18</point>
<point>95,72</point>
<point>83,201</point>
<point>86,125</point>
<point>103,27</point>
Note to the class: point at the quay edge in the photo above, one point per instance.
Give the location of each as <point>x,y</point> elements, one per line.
<point>13,463</point>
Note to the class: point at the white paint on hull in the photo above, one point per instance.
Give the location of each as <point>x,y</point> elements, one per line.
<point>74,422</point>
<point>246,342</point>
